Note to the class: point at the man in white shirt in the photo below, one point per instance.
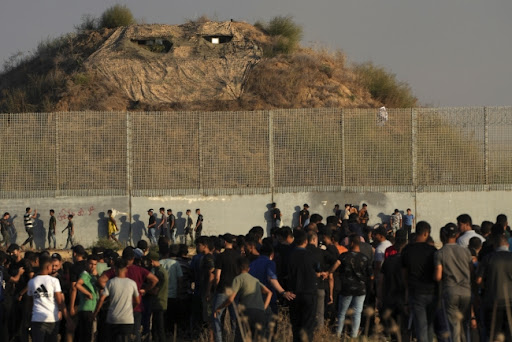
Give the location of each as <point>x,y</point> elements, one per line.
<point>47,300</point>
<point>465,225</point>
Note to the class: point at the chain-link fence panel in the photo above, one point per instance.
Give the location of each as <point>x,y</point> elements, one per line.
<point>27,147</point>
<point>378,147</point>
<point>450,147</point>
<point>499,120</point>
<point>234,152</point>
<point>91,153</point>
<point>307,148</point>
<point>164,153</point>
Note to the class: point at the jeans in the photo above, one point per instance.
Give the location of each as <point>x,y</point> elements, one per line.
<point>356,302</point>
<point>30,239</point>
<point>217,321</point>
<point>455,306</point>
<point>45,332</point>
<point>152,236</point>
<point>424,307</point>
<point>51,237</point>
<point>320,307</point>
<point>85,326</point>
<point>173,235</point>
<point>70,241</point>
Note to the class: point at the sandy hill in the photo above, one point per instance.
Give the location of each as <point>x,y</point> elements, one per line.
<point>195,66</point>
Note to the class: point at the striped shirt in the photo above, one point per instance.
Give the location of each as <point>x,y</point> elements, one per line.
<point>27,219</point>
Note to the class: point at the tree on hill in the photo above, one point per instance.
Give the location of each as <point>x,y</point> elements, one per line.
<point>116,16</point>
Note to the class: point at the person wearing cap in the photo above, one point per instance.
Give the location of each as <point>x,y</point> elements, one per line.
<point>453,269</point>
<point>304,216</point>
<point>152,228</point>
<point>159,298</point>
<point>5,225</point>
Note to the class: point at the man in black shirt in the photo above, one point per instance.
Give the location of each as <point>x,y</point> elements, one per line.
<point>225,272</point>
<point>276,216</point>
<point>302,281</point>
<point>51,230</point>
<point>188,228</point>
<point>199,223</point>
<point>304,216</point>
<point>171,220</point>
<point>418,271</point>
<point>356,271</point>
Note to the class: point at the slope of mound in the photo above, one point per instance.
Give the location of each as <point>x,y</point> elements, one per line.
<point>195,66</point>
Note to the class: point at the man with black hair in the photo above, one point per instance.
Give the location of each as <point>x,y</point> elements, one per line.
<point>162,226</point>
<point>302,282</point>
<point>5,226</point>
<point>173,269</point>
<point>199,223</point>
<point>144,280</point>
<point>152,228</point>
<point>52,230</point>
<point>276,215</point>
<point>418,270</point>
<point>197,303</point>
<point>29,226</point>
<point>465,227</point>
<point>207,279</point>
<point>87,299</point>
<point>46,303</point>
<point>249,291</point>
<point>171,221</point>
<point>453,269</point>
<point>304,216</point>
<point>356,270</point>
<point>225,272</point>
<point>282,252</point>
<point>71,231</point>
<point>124,296</point>
<point>494,275</point>
<point>364,216</point>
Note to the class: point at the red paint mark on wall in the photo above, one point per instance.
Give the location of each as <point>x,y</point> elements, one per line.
<point>64,212</point>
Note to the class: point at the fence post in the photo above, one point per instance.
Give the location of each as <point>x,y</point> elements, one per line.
<point>414,147</point>
<point>342,148</point>
<point>271,152</point>
<point>486,148</point>
<point>129,180</point>
<point>200,152</point>
<point>57,155</point>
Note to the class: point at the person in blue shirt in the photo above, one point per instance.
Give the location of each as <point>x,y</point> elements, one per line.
<point>408,222</point>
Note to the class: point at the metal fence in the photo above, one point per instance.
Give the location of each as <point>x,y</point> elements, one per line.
<point>217,153</point>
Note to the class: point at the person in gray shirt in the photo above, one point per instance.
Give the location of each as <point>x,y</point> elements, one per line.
<point>453,269</point>
<point>124,296</point>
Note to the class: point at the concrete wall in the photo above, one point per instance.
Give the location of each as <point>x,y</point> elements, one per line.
<point>237,214</point>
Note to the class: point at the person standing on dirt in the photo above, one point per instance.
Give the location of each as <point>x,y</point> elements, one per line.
<point>5,226</point>
<point>188,228</point>
<point>71,231</point>
<point>199,223</point>
<point>52,230</point>
<point>151,228</point>
<point>171,221</point>
<point>162,226</point>
<point>29,226</point>
<point>112,226</point>
<point>304,216</point>
<point>276,216</point>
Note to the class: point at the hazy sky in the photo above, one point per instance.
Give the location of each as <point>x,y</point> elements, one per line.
<point>451,52</point>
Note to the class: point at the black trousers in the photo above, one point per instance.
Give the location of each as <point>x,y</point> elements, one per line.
<point>303,315</point>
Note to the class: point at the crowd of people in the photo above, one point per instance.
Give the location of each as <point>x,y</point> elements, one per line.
<point>458,290</point>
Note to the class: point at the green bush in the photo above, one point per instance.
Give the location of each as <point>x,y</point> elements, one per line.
<point>89,23</point>
<point>384,87</point>
<point>108,244</point>
<point>116,16</point>
<point>287,34</point>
